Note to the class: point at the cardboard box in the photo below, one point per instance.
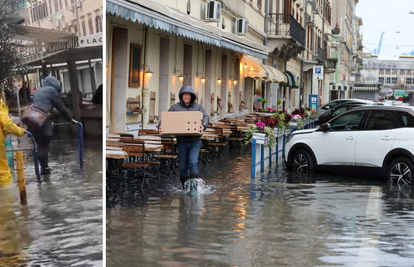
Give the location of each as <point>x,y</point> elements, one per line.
<point>181,122</point>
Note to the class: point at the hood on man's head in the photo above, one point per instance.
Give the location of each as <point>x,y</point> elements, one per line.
<point>187,89</point>
<point>52,81</point>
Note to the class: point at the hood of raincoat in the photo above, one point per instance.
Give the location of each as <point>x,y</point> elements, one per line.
<point>3,107</point>
<point>52,82</point>
<point>187,89</point>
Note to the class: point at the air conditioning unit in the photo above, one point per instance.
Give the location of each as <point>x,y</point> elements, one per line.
<point>213,11</point>
<point>317,10</point>
<point>310,19</point>
<point>241,26</point>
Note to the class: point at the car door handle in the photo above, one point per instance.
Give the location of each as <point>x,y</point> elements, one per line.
<point>350,138</point>
<point>385,138</point>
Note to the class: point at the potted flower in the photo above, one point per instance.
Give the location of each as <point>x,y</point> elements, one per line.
<point>260,132</point>
<point>241,106</point>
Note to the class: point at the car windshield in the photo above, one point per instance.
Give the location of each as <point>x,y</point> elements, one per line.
<point>332,104</point>
<point>347,122</point>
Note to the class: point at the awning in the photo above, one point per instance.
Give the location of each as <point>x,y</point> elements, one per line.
<point>35,34</point>
<point>170,20</point>
<point>254,69</point>
<point>291,81</point>
<point>366,88</point>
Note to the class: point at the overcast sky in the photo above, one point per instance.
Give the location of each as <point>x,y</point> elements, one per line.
<point>391,16</point>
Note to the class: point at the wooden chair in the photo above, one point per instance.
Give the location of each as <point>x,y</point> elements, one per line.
<point>168,158</point>
<point>136,153</point>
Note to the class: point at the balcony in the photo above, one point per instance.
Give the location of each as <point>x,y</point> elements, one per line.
<point>286,37</point>
<point>330,65</point>
<point>321,56</point>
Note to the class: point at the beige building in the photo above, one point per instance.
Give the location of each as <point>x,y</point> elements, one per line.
<point>82,20</point>
<point>224,50</point>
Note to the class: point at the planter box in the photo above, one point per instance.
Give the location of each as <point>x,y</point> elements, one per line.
<point>260,138</point>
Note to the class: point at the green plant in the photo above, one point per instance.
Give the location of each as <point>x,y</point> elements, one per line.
<point>260,129</point>
<point>279,101</point>
<point>264,101</point>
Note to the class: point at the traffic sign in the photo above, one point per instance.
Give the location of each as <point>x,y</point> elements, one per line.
<point>318,72</point>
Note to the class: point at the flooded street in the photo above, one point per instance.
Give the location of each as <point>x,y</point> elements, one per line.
<point>62,223</point>
<point>277,219</point>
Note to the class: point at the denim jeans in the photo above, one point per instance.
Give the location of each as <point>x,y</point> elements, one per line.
<point>188,154</point>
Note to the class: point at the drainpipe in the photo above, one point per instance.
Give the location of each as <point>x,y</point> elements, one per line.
<point>302,84</point>
<point>266,25</point>
<point>323,42</point>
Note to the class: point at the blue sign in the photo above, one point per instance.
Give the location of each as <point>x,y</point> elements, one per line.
<point>313,102</point>
<point>318,70</point>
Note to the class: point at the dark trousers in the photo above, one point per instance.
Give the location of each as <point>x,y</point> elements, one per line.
<point>43,144</point>
<point>188,154</point>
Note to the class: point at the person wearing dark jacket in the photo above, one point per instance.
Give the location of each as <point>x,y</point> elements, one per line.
<point>189,146</point>
<point>46,98</point>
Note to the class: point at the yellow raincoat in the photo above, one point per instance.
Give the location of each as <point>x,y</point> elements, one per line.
<point>7,126</point>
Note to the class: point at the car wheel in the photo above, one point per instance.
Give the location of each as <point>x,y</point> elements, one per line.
<point>401,170</point>
<point>302,161</point>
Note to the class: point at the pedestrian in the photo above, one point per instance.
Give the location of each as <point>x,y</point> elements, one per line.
<point>189,146</point>
<point>7,126</point>
<point>257,102</point>
<point>46,98</point>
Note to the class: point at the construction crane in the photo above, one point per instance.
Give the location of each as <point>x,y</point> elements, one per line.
<point>379,45</point>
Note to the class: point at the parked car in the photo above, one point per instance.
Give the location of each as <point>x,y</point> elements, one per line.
<point>370,140</point>
<point>327,107</point>
<point>338,110</point>
<point>400,98</point>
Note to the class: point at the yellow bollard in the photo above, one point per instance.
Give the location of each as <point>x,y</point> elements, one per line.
<point>21,181</point>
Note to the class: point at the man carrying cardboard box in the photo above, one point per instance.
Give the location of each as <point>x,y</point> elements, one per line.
<point>189,145</point>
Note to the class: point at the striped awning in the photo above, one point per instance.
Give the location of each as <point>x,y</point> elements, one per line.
<point>151,18</point>
<point>291,81</point>
<point>366,88</point>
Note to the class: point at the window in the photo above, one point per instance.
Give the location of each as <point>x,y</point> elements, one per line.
<point>98,23</point>
<point>381,120</point>
<point>90,24</point>
<point>405,119</point>
<point>347,122</point>
<point>387,71</point>
<point>381,79</point>
<point>83,27</point>
<point>402,72</point>
<point>394,72</point>
<point>134,65</point>
<point>56,5</point>
<point>388,80</point>
<point>409,80</point>
<point>381,72</point>
<point>394,80</point>
<point>50,7</point>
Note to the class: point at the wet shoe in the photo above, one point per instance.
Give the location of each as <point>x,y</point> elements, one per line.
<point>46,171</point>
<point>193,187</point>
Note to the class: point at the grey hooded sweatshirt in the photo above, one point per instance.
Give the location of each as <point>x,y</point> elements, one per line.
<point>193,106</point>
<point>47,98</point>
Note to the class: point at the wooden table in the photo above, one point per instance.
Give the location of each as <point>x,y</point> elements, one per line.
<point>109,135</point>
<point>115,153</point>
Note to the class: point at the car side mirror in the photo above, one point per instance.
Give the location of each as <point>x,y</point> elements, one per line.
<point>325,127</point>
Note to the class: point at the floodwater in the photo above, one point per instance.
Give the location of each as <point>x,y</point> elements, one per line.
<point>278,219</point>
<point>62,223</point>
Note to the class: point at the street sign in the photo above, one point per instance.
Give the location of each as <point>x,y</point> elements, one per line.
<point>318,72</point>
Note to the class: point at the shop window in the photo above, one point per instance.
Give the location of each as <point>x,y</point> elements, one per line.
<point>134,65</point>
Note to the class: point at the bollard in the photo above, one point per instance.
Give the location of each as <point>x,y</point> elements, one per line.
<point>21,182</point>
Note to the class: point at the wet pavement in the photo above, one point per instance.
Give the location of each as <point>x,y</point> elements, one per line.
<point>62,223</point>
<point>277,219</point>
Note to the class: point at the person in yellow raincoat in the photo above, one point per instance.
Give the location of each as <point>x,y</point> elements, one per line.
<point>7,126</point>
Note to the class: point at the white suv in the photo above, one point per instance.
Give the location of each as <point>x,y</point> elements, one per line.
<point>370,140</point>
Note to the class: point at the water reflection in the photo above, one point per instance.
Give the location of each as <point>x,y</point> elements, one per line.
<point>62,224</point>
<point>279,218</point>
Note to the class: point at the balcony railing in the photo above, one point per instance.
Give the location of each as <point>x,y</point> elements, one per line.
<point>331,63</point>
<point>286,25</point>
<point>321,57</point>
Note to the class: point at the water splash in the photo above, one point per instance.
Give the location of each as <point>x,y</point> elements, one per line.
<point>202,187</point>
